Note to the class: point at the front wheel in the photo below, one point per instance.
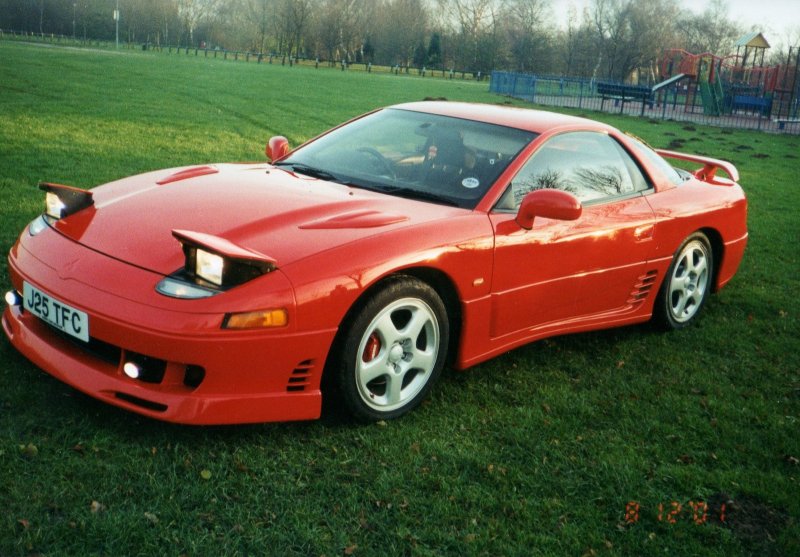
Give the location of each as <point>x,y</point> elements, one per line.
<point>687,284</point>
<point>393,350</point>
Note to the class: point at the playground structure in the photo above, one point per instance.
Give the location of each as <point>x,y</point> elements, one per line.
<point>736,84</point>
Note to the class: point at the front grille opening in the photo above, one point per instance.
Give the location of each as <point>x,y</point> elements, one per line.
<point>146,404</point>
<point>298,381</point>
<point>193,376</point>
<point>151,369</point>
<point>101,350</point>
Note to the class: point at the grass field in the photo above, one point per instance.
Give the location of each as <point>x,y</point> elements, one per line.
<point>539,451</point>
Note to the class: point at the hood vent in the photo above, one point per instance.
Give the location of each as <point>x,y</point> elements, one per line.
<point>193,172</point>
<point>364,218</point>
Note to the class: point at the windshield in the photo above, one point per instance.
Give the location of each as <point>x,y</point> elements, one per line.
<point>414,154</point>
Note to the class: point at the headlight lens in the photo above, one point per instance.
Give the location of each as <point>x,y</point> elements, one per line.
<point>209,266</point>
<point>37,225</point>
<point>179,289</point>
<point>54,207</point>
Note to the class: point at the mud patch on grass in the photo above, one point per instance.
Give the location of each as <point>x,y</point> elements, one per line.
<point>757,524</point>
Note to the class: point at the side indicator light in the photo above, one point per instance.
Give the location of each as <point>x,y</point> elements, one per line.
<point>265,319</point>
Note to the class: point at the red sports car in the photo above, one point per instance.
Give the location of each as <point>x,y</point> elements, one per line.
<point>359,264</point>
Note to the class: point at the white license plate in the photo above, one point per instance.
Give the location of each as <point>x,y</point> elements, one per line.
<point>58,314</point>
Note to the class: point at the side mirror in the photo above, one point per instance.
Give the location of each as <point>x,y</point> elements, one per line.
<point>277,148</point>
<point>550,204</point>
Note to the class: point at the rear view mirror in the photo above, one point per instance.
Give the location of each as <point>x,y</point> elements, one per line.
<point>550,204</point>
<point>277,148</point>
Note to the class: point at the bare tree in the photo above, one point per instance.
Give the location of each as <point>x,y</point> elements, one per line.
<point>193,12</point>
<point>399,26</point>
<point>528,25</point>
<point>711,31</point>
<point>577,46</point>
<point>338,28</point>
<point>632,34</point>
<point>475,33</point>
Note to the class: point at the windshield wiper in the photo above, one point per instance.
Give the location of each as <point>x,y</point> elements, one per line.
<point>310,171</point>
<point>419,194</point>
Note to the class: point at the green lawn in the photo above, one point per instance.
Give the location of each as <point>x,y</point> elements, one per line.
<point>536,452</point>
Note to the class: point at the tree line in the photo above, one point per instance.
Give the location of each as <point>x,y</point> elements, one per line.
<point>611,38</point>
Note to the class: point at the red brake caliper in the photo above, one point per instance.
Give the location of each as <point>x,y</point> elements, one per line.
<point>372,348</point>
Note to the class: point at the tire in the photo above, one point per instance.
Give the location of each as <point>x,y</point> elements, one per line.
<point>392,351</point>
<point>687,284</point>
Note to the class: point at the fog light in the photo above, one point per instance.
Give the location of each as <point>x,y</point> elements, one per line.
<point>132,370</point>
<point>13,298</point>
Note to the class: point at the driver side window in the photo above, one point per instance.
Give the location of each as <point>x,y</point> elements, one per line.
<point>591,166</point>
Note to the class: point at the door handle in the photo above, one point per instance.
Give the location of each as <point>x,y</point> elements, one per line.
<point>644,232</point>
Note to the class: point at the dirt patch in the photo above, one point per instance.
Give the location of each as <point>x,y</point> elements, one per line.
<point>743,148</point>
<point>690,128</point>
<point>761,156</point>
<point>754,522</point>
<point>675,144</point>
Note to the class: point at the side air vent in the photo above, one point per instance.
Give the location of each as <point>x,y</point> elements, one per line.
<point>300,376</point>
<point>644,284</point>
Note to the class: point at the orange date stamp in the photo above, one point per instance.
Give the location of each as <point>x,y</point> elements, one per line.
<point>696,512</point>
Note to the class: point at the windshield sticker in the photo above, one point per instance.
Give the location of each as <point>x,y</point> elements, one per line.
<point>470,183</point>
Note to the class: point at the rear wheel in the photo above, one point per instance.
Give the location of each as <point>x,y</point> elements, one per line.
<point>687,284</point>
<point>393,350</point>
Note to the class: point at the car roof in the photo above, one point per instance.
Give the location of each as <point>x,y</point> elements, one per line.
<point>538,121</point>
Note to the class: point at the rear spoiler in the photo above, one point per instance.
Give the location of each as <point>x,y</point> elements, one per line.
<point>709,170</point>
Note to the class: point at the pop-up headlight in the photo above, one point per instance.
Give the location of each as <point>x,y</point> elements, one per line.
<point>212,262</point>
<point>209,266</point>
<point>61,201</point>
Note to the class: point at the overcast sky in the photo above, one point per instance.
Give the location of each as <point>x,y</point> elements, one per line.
<point>777,19</point>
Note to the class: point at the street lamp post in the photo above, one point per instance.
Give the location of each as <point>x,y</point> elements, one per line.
<point>116,19</point>
<point>74,5</point>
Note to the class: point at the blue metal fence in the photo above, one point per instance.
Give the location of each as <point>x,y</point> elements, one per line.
<point>680,101</point>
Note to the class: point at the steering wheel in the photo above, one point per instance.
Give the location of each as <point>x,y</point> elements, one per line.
<point>383,161</point>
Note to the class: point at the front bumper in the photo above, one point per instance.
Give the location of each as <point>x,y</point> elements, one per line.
<point>209,375</point>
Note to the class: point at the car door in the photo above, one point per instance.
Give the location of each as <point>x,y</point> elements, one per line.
<point>561,274</point>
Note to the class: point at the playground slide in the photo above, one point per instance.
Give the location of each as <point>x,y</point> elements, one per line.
<point>666,83</point>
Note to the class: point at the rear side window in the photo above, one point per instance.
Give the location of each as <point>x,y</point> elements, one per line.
<point>673,175</point>
<point>591,166</point>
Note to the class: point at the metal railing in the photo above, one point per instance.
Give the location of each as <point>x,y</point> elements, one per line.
<point>681,101</point>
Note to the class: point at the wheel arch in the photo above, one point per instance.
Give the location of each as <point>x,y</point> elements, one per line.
<point>717,253</point>
<point>444,286</point>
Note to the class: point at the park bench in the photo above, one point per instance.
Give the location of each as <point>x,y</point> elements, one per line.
<point>621,93</point>
<point>783,121</point>
<point>751,103</point>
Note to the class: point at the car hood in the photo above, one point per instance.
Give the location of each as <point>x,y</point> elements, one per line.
<point>277,213</point>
